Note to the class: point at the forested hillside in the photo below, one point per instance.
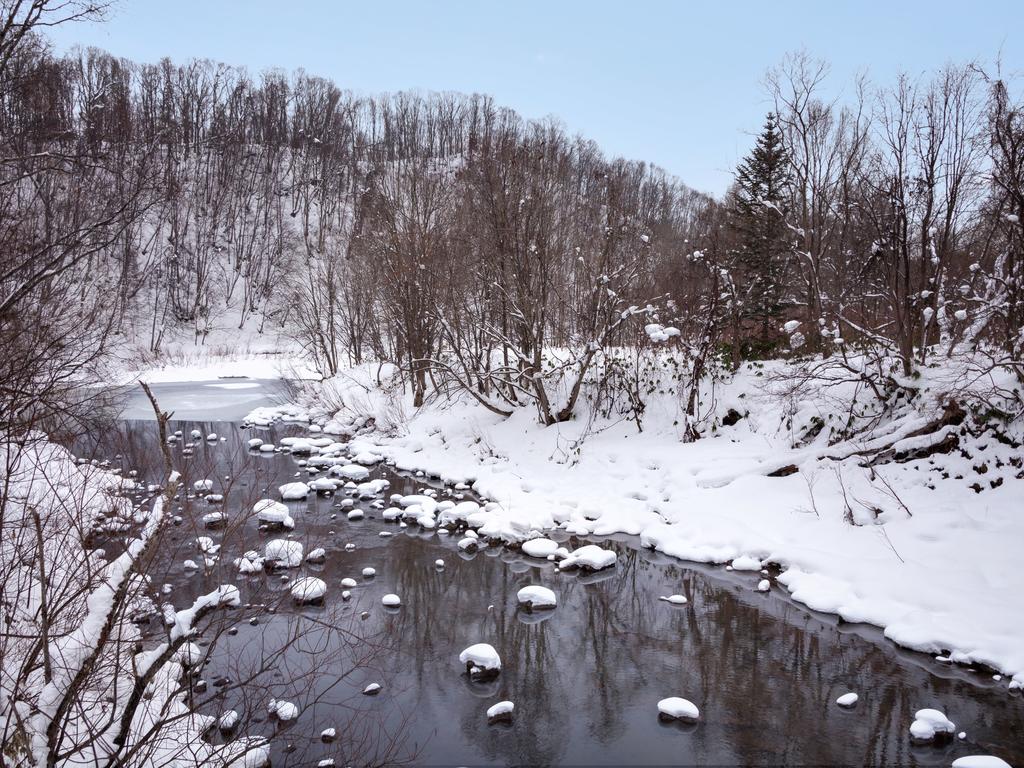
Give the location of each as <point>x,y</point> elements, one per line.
<point>461,242</point>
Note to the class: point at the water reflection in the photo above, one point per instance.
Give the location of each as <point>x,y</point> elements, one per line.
<point>584,677</point>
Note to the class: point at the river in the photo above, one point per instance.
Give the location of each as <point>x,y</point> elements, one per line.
<point>585,678</point>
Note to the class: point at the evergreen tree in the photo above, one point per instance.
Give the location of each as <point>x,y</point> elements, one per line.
<point>758,210</point>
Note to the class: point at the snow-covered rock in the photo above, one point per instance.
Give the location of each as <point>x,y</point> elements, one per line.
<point>929,724</point>
<point>502,711</point>
<point>675,708</point>
<point>481,660</point>
<point>372,689</point>
<point>391,601</point>
<point>293,491</point>
<point>214,519</point>
<point>228,720</point>
<point>590,557</point>
<point>764,585</point>
<point>273,512</point>
<point>980,761</point>
<point>284,552</point>
<point>308,589</point>
<point>369,573</point>
<point>283,710</point>
<point>746,563</point>
<point>351,471</point>
<point>539,547</point>
<point>674,599</point>
<point>847,700</point>
<point>535,597</point>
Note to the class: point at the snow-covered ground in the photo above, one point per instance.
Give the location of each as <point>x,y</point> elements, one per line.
<point>910,547</point>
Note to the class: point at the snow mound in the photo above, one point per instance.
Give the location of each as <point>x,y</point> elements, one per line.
<point>847,700</point>
<point>293,491</point>
<point>308,589</point>
<point>980,761</point>
<point>930,723</point>
<point>481,660</point>
<point>675,708</point>
<point>351,471</point>
<point>283,710</point>
<point>674,599</point>
<point>500,711</point>
<point>590,557</point>
<point>270,511</point>
<point>746,563</point>
<point>284,553</point>
<point>536,597</point>
<point>540,547</point>
<point>391,601</point>
<point>372,689</point>
<point>228,720</point>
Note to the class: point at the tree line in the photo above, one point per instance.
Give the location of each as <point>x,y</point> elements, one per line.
<point>486,253</point>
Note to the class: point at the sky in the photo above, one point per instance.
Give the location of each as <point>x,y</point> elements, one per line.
<point>678,84</point>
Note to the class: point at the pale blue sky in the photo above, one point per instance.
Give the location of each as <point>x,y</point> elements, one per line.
<point>674,83</point>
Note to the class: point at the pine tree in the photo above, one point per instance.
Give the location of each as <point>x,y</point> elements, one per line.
<point>758,211</point>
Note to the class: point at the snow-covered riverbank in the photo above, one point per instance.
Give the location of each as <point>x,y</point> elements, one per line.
<point>928,549</point>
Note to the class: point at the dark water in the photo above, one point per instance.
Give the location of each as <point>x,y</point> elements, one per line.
<point>585,678</point>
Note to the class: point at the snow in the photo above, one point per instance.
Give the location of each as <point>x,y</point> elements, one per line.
<point>590,556</point>
<point>482,656</point>
<point>536,597</point>
<point>439,563</point>
<point>764,585</point>
<point>391,601</point>
<point>274,512</point>
<point>674,599</point>
<point>929,723</point>
<point>283,710</point>
<point>284,552</point>
<point>308,589</point>
<point>352,472</point>
<point>540,547</point>
<point>980,761</point>
<point>746,563</point>
<point>678,709</point>
<point>211,519</point>
<point>293,491</point>
<point>847,700</point>
<point>501,711</point>
<point>228,720</point>
<point>713,501</point>
<point>372,689</point>
<point>369,573</point>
